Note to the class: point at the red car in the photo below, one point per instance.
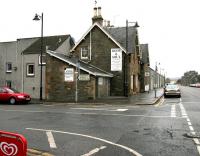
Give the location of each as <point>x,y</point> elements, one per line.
<point>13,96</point>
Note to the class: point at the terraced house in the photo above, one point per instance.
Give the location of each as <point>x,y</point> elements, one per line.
<point>20,61</point>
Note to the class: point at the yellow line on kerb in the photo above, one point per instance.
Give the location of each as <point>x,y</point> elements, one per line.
<point>160,102</point>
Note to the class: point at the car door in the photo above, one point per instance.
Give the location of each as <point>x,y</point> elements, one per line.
<point>4,95</point>
<point>1,94</point>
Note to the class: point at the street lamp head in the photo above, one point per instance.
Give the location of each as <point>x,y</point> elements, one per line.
<point>136,25</point>
<point>36,18</point>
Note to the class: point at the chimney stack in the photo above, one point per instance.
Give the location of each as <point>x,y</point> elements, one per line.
<point>97,16</point>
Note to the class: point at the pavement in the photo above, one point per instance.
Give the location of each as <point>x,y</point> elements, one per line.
<point>146,98</point>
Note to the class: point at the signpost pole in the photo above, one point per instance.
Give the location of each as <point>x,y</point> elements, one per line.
<point>77,75</point>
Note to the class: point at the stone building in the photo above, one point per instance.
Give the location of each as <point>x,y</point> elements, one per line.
<point>144,68</point>
<point>97,47</point>
<point>104,62</point>
<point>70,79</point>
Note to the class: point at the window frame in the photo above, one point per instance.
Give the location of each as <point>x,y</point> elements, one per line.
<point>7,69</point>
<point>27,70</point>
<point>88,54</point>
<point>39,60</point>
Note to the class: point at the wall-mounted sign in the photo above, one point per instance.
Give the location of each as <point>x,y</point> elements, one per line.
<point>100,81</point>
<point>84,77</point>
<point>69,74</point>
<point>147,74</point>
<point>146,88</point>
<point>116,59</point>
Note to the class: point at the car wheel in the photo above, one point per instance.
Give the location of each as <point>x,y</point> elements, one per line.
<point>12,100</point>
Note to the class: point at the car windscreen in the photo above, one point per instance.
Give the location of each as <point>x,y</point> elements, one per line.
<point>173,87</point>
<point>12,90</point>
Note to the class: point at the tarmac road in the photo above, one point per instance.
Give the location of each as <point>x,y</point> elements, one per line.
<point>163,129</point>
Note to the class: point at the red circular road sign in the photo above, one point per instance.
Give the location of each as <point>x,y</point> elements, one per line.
<point>12,144</point>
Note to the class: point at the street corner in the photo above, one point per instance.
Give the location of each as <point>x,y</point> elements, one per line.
<point>34,152</point>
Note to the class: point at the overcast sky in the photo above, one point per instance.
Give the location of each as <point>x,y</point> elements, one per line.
<point>170,27</point>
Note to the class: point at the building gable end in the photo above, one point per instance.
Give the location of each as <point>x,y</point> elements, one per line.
<point>104,31</point>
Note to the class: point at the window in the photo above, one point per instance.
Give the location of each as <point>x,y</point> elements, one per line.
<point>43,59</point>
<point>8,67</point>
<point>8,83</point>
<point>30,70</point>
<point>85,53</point>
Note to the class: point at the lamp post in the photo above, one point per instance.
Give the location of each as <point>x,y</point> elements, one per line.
<point>37,18</point>
<point>125,59</point>
<point>155,85</point>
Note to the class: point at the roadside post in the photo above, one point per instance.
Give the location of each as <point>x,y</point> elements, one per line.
<point>12,144</point>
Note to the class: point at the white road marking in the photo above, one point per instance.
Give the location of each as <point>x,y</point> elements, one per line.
<point>94,151</point>
<point>25,111</point>
<point>122,110</point>
<point>173,111</point>
<point>124,115</point>
<point>189,123</point>
<point>91,137</point>
<point>188,120</point>
<point>99,109</point>
<point>102,109</point>
<point>90,113</point>
<point>198,148</point>
<point>51,139</point>
<point>184,114</point>
<point>191,128</point>
<point>196,141</point>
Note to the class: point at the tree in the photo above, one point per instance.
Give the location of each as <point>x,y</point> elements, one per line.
<point>190,77</point>
<point>178,81</point>
<point>167,80</point>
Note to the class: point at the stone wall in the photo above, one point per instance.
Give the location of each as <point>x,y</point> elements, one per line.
<point>59,90</point>
<point>101,46</point>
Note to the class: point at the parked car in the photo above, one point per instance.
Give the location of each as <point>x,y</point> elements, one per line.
<point>13,96</point>
<point>172,90</point>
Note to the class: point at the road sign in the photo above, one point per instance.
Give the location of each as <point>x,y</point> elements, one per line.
<point>12,144</point>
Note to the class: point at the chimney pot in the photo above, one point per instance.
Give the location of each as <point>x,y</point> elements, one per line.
<point>108,23</point>
<point>99,11</point>
<point>95,11</point>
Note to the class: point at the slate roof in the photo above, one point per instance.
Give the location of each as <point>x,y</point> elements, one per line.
<point>53,42</point>
<point>145,53</point>
<point>119,34</point>
<point>83,66</point>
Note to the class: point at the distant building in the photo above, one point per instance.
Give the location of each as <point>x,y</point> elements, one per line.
<point>144,68</point>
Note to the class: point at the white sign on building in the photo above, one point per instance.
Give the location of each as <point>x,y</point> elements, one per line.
<point>147,74</point>
<point>84,77</point>
<point>69,74</point>
<point>116,59</point>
